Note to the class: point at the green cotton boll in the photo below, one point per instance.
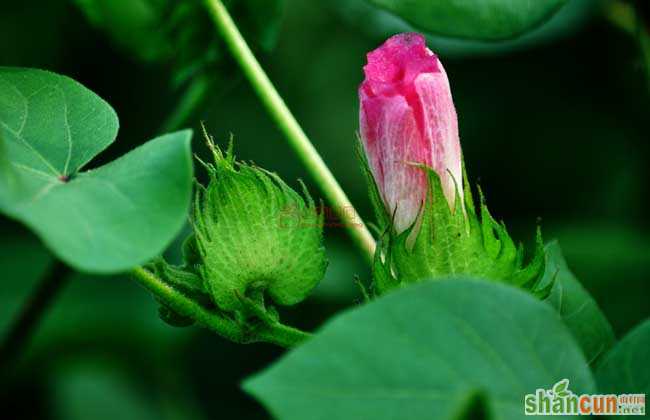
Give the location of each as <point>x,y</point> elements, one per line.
<point>256,236</point>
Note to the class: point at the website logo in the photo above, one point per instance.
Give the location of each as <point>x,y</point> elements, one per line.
<point>559,400</point>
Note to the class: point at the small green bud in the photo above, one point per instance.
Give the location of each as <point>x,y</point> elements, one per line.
<point>255,236</point>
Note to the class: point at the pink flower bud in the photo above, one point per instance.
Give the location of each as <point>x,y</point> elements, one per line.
<point>407,116</point>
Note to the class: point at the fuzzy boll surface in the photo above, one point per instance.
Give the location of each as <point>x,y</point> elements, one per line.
<point>256,237</point>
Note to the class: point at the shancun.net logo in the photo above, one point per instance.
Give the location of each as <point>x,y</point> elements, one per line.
<point>559,400</point>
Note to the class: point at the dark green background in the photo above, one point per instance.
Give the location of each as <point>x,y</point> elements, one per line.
<point>558,132</point>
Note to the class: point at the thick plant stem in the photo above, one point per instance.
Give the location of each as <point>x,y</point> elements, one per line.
<point>290,127</point>
<point>32,312</point>
<point>279,334</point>
<point>184,305</point>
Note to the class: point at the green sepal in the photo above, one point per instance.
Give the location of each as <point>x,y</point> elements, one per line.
<point>366,294</point>
<point>191,255</point>
<point>445,242</point>
<point>383,278</point>
<point>183,279</point>
<point>180,277</point>
<point>383,220</point>
<point>255,235</point>
<point>173,318</point>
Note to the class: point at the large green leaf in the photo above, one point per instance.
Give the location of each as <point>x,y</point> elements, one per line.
<point>102,220</point>
<point>625,369</point>
<point>426,352</point>
<point>382,22</point>
<point>474,19</point>
<point>579,311</point>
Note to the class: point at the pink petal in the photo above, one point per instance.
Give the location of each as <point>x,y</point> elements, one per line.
<point>393,143</point>
<point>407,116</point>
<point>441,130</point>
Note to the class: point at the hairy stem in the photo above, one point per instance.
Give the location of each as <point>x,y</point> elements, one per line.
<point>276,333</point>
<point>289,126</point>
<point>282,335</point>
<point>32,312</point>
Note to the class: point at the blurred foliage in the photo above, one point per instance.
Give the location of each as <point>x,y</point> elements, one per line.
<point>22,263</point>
<point>138,26</point>
<point>552,130</point>
<point>103,349</point>
<point>181,33</point>
<point>82,388</point>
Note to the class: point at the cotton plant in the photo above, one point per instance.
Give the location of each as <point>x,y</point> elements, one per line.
<point>245,258</point>
<point>457,317</point>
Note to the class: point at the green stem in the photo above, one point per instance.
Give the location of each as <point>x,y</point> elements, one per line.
<point>289,126</point>
<point>282,335</point>
<point>279,334</point>
<point>186,306</point>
